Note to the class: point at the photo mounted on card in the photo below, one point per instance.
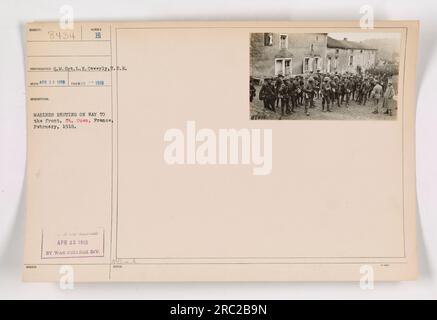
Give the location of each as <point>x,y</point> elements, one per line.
<point>156,151</point>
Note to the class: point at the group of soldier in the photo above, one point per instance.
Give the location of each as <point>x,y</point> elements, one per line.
<point>288,93</point>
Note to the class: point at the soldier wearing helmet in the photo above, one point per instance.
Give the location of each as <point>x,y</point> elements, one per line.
<point>309,91</point>
<point>326,94</point>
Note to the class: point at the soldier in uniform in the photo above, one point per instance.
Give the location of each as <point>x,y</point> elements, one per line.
<point>309,90</point>
<point>284,97</point>
<point>376,95</point>
<point>348,88</point>
<point>341,90</point>
<point>267,94</point>
<point>387,102</point>
<point>300,91</point>
<point>384,82</point>
<point>358,85</point>
<point>317,83</point>
<point>354,82</point>
<point>372,85</point>
<point>292,92</point>
<point>335,91</point>
<point>326,94</point>
<point>366,87</point>
<point>278,85</point>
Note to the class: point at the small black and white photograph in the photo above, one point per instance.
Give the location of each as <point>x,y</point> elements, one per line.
<point>324,76</point>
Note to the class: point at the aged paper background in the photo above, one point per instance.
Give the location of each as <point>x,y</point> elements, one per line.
<point>341,193</point>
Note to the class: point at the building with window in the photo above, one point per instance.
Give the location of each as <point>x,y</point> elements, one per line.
<point>287,54</point>
<point>272,54</point>
<point>349,56</point>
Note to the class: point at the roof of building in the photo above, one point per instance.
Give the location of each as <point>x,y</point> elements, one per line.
<point>346,44</point>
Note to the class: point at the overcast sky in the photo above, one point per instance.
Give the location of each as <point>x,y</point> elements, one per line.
<point>360,36</point>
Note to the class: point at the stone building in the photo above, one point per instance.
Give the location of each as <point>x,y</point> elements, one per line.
<point>349,56</point>
<point>272,54</point>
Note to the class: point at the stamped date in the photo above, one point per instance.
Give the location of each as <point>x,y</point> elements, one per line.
<point>72,244</point>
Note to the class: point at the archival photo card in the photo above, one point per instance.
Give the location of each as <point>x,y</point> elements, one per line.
<point>145,162</point>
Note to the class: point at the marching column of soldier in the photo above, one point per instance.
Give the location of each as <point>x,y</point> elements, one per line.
<point>284,95</point>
